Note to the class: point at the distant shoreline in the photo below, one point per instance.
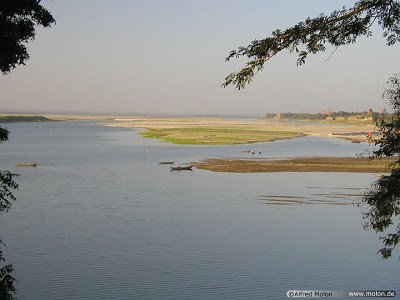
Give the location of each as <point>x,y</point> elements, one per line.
<point>177,130</point>
<point>222,131</point>
<point>23,119</point>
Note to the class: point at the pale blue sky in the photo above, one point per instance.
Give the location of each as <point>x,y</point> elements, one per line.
<point>168,56</point>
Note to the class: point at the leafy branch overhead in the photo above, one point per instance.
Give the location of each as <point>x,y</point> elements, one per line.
<point>340,28</point>
<point>18,19</point>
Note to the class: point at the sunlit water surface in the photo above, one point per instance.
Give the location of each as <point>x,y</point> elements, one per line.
<point>100,219</point>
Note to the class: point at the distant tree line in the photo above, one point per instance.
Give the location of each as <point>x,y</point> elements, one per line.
<point>340,115</point>
<point>17,119</point>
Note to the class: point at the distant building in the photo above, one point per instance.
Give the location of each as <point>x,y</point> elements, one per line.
<point>277,117</point>
<point>370,112</point>
<point>383,111</point>
<point>326,112</point>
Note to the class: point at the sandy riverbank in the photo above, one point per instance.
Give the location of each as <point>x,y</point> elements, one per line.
<point>354,132</point>
<point>302,164</point>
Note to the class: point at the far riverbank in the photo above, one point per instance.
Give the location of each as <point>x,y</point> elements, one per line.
<point>217,130</point>
<point>191,130</point>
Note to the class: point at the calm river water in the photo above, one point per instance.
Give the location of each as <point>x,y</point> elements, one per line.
<point>100,219</point>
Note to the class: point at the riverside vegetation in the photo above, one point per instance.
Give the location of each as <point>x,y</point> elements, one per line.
<point>217,135</point>
<point>17,119</point>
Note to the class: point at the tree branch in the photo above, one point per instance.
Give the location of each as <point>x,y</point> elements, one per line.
<point>340,28</point>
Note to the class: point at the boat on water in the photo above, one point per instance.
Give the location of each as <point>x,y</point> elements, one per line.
<point>180,168</point>
<point>26,164</point>
<point>166,162</point>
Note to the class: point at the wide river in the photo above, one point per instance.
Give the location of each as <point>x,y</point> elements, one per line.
<point>100,219</point>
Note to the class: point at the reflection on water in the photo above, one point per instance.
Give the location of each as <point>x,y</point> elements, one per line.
<point>323,195</point>
<point>99,218</point>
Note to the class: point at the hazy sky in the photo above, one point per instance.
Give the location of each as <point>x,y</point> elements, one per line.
<point>168,56</point>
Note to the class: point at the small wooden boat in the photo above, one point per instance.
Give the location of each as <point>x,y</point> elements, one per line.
<point>26,165</point>
<point>180,168</point>
<point>166,162</point>
<point>249,151</point>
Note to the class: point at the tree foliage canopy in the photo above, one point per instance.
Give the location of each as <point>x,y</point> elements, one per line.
<point>3,134</point>
<point>384,198</point>
<point>7,288</point>
<point>312,36</point>
<point>18,19</point>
